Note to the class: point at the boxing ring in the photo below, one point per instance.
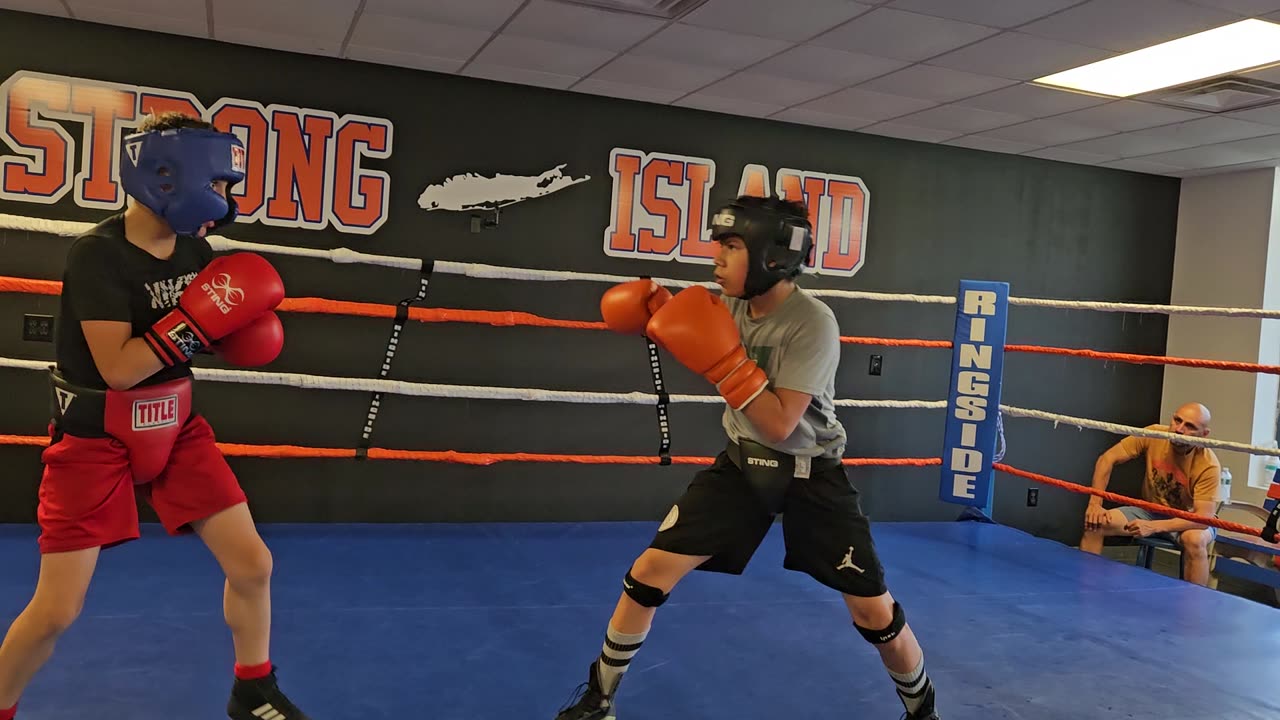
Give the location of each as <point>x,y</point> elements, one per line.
<point>492,620</point>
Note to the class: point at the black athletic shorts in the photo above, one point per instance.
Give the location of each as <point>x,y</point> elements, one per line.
<point>825,531</point>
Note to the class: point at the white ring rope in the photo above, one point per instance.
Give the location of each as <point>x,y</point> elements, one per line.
<point>481,392</point>
<point>1141,432</point>
<point>1146,309</point>
<point>474,270</point>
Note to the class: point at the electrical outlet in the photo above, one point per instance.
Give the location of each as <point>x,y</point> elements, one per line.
<point>877,364</point>
<point>38,328</point>
<point>1033,497</point>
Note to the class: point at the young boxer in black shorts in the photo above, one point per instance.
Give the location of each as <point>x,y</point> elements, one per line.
<point>771,349</point>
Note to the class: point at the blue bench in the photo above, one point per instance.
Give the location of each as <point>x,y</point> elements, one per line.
<point>1232,554</point>
<point>1147,547</point>
<point>1231,548</point>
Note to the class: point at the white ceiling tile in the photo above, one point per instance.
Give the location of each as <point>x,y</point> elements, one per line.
<point>939,84</point>
<point>103,8</point>
<point>704,46</point>
<point>1123,145</point>
<point>1127,25</point>
<point>658,73</point>
<point>805,116</point>
<point>186,26</point>
<point>1031,101</point>
<point>993,13</point>
<point>1142,166</point>
<point>415,37</point>
<point>902,35</point>
<point>1241,7</point>
<point>1260,147</point>
<point>519,76</point>
<point>794,20</point>
<point>397,58</point>
<point>595,86</point>
<point>702,101</point>
<point>1268,115</point>
<point>827,65</point>
<point>960,119</point>
<point>909,132</point>
<point>40,7</point>
<point>978,142</point>
<point>317,27</point>
<point>328,46</point>
<point>1046,131</point>
<point>1020,57</point>
<point>867,104</point>
<point>1126,115</point>
<point>1210,156</point>
<point>580,25</point>
<point>1214,129</point>
<point>748,85</point>
<point>475,14</point>
<point>1220,169</point>
<point>1071,156</point>
<point>542,55</point>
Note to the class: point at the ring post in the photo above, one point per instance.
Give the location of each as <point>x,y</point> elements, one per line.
<point>973,403</point>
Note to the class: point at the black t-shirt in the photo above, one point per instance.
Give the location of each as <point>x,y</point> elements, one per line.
<point>109,278</point>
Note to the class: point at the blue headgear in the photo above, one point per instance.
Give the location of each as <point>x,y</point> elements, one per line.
<point>778,243</point>
<point>172,173</point>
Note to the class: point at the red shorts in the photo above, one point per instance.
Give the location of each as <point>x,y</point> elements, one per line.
<point>88,498</point>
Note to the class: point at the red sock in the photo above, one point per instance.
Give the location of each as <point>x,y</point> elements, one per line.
<point>9,714</point>
<point>243,672</point>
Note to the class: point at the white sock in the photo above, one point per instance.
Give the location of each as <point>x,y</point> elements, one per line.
<point>616,656</point>
<point>912,686</point>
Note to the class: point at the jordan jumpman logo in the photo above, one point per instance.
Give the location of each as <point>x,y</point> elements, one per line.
<point>847,563</point>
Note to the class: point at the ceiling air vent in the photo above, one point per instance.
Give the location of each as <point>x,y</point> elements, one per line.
<point>665,9</point>
<point>1223,94</point>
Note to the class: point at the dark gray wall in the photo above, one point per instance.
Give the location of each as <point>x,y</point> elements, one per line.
<point>937,215</point>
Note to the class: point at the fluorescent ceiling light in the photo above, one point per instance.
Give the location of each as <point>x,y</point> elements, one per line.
<point>1230,48</point>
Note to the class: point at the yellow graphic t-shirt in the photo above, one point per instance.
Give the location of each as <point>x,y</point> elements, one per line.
<point>1173,480</point>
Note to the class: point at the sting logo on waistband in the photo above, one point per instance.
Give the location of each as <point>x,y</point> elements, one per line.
<point>155,413</point>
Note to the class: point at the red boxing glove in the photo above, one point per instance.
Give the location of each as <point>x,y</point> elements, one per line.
<point>699,331</point>
<point>228,294</point>
<point>626,308</point>
<point>255,344</point>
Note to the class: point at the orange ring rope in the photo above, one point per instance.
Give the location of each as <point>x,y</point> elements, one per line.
<point>1125,500</point>
<point>1148,359</point>
<point>472,458</point>
<point>511,318</point>
<point>895,342</point>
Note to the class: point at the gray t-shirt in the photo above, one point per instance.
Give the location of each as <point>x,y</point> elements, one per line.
<point>798,347</point>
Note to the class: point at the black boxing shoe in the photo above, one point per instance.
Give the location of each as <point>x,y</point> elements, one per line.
<point>589,702</point>
<point>261,699</point>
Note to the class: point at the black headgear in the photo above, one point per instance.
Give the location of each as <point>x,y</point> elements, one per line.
<point>778,240</point>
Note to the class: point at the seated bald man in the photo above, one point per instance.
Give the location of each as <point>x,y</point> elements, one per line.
<point>1178,475</point>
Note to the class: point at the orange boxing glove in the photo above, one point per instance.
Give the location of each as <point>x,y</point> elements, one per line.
<point>626,308</point>
<point>699,331</point>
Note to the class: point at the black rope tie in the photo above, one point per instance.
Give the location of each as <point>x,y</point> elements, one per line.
<point>660,387</point>
<point>664,425</point>
<point>397,327</point>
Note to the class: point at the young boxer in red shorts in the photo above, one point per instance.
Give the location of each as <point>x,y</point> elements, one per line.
<point>141,296</point>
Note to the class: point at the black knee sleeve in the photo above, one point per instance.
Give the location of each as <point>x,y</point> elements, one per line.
<point>645,595</point>
<point>880,637</point>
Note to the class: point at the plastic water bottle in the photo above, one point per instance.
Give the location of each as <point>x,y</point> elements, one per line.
<point>1226,484</point>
